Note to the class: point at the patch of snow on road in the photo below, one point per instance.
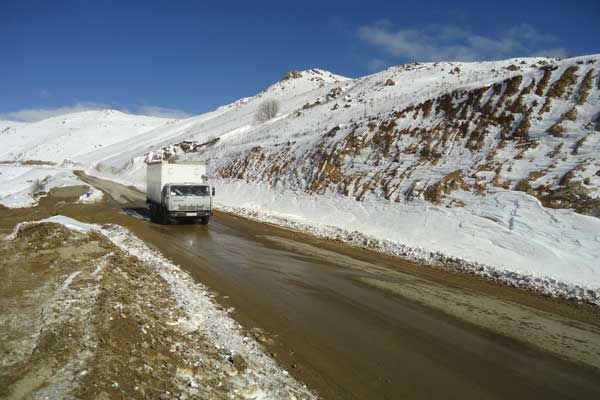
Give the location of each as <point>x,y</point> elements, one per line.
<point>92,196</point>
<point>71,223</point>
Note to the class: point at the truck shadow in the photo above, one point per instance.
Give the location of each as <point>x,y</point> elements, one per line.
<point>143,213</point>
<point>137,212</point>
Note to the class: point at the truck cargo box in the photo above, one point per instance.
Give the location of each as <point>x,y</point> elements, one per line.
<point>161,173</point>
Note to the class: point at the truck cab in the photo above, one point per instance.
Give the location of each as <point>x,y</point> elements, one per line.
<point>188,200</point>
<point>178,191</point>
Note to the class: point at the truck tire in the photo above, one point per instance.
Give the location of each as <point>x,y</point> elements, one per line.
<point>204,220</point>
<point>152,212</point>
<point>163,216</point>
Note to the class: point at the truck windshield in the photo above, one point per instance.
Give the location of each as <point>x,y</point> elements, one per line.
<point>190,191</point>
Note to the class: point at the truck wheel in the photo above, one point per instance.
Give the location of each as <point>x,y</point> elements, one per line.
<point>152,211</point>
<point>163,216</point>
<point>204,220</point>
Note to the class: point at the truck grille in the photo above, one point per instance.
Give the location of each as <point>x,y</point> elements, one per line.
<point>190,208</point>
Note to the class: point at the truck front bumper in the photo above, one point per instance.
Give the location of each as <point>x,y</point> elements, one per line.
<point>189,214</point>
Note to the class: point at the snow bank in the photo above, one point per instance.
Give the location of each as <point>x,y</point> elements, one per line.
<point>505,236</point>
<point>71,223</point>
<point>18,184</point>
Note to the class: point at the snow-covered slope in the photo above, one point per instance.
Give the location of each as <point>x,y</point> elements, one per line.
<point>493,163</point>
<point>5,125</point>
<point>418,130</point>
<point>233,121</point>
<point>7,135</point>
<point>69,136</point>
<point>23,185</point>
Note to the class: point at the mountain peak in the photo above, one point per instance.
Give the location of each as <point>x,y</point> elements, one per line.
<point>312,73</point>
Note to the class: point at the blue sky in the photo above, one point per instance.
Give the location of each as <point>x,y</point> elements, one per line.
<point>176,58</point>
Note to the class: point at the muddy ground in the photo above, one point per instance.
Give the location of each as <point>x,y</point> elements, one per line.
<point>82,319</point>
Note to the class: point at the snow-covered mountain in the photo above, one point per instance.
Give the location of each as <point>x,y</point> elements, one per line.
<point>6,125</point>
<point>70,136</point>
<point>416,130</point>
<point>424,130</point>
<point>465,159</point>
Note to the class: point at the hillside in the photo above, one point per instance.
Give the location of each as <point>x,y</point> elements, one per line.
<point>426,131</point>
<point>66,137</point>
<point>489,166</point>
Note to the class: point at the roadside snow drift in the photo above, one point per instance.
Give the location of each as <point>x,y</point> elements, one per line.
<point>506,237</point>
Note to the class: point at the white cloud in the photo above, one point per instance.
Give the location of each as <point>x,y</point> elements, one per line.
<point>163,112</point>
<point>376,64</point>
<point>453,43</point>
<point>38,114</point>
<point>560,52</point>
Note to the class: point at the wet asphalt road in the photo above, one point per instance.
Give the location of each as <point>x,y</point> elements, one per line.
<point>343,336</point>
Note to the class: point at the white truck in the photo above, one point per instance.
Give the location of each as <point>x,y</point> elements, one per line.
<point>178,191</point>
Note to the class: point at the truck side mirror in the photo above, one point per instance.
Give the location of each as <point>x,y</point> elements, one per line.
<point>213,191</point>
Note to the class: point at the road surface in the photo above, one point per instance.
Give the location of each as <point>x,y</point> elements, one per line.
<point>356,325</point>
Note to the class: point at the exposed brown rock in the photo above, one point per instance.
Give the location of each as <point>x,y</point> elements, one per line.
<point>571,115</point>
<point>446,185</point>
<point>584,88</point>
<point>556,130</point>
<point>539,90</point>
<point>566,81</point>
